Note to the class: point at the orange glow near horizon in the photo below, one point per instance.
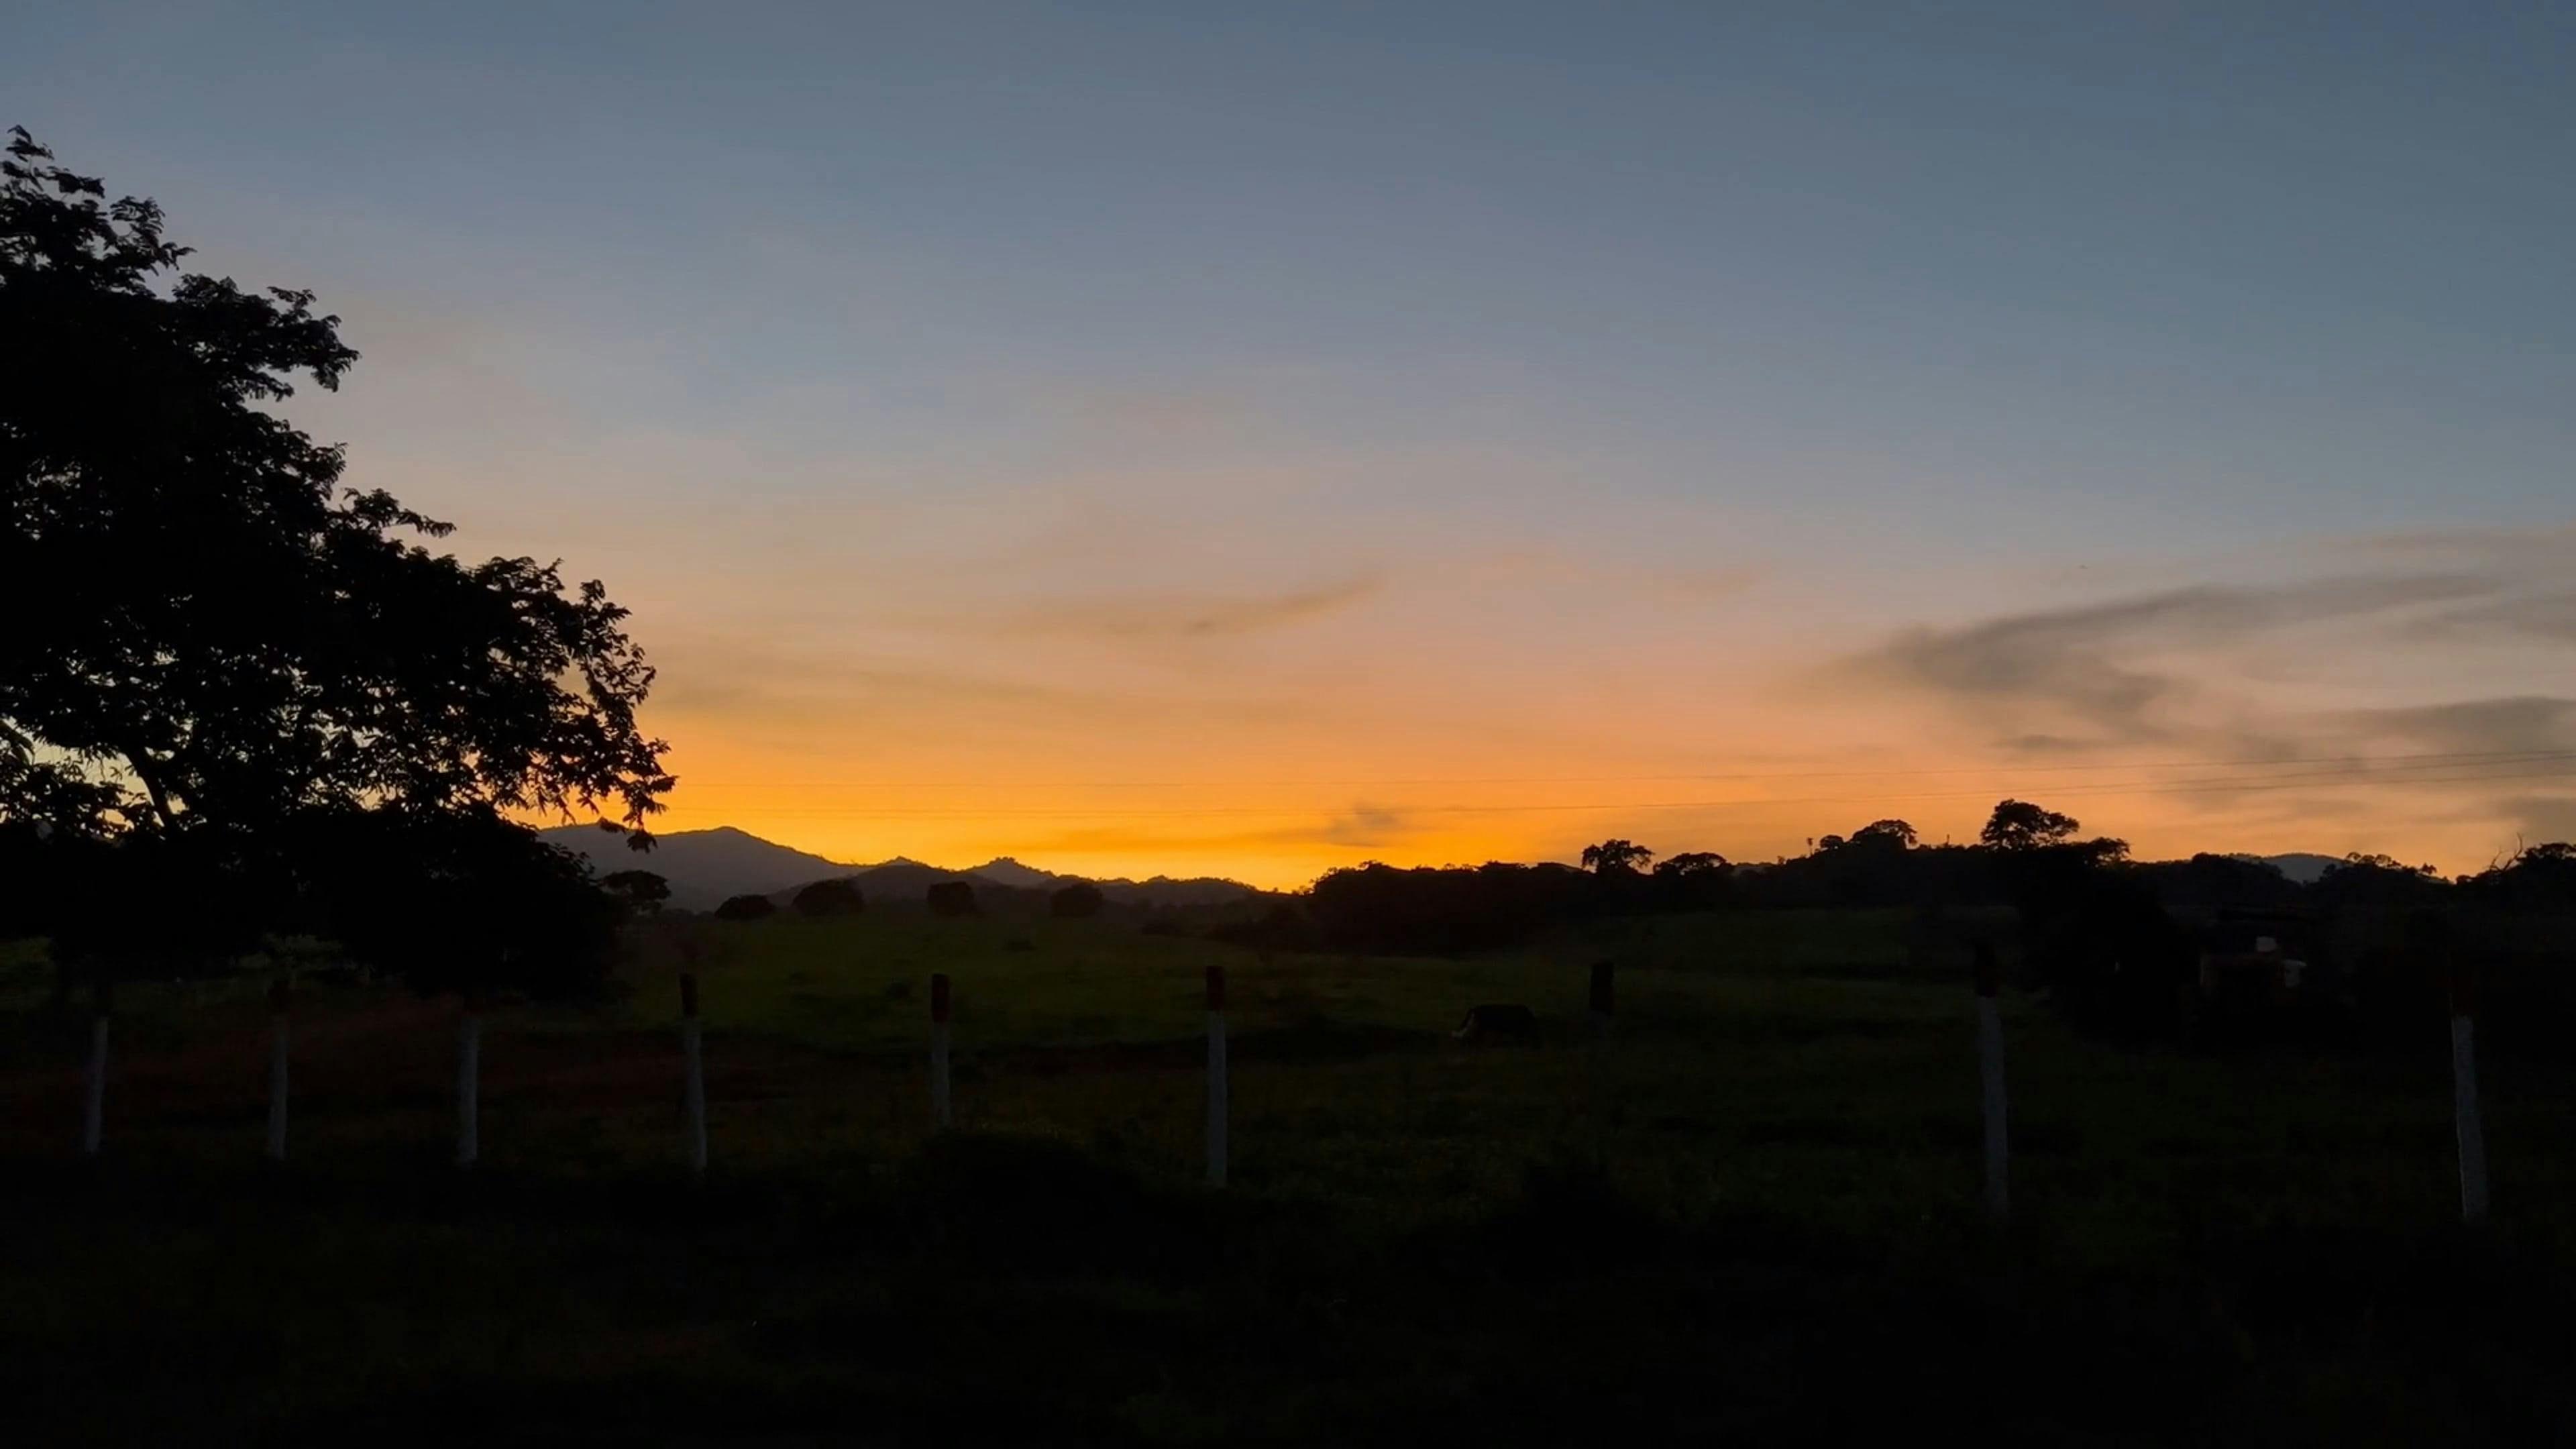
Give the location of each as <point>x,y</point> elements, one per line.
<point>1280,832</point>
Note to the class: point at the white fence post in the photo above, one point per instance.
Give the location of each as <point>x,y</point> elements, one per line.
<point>694,1090</point>
<point>469,1072</point>
<point>939,1113</point>
<point>94,1086</point>
<point>1216,1074</point>
<point>2464,1098</point>
<point>277,1022</point>
<point>1990,1058</point>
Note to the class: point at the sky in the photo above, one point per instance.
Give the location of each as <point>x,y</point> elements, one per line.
<point>1255,439</point>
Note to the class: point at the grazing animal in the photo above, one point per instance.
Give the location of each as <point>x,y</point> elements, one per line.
<point>1498,1021</point>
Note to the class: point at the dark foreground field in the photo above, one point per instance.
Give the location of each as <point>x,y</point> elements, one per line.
<point>1753,1215</point>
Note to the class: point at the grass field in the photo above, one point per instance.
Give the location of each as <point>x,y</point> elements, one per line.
<point>1753,1212</point>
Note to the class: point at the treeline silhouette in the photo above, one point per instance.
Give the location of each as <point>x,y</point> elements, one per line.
<point>2119,944</point>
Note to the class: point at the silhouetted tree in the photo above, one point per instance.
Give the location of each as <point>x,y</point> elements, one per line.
<point>1079,901</point>
<point>1690,863</point>
<point>1885,834</point>
<point>2541,876</point>
<point>207,635</point>
<point>951,898</point>
<point>746,908</point>
<point>829,898</point>
<point>1615,856</point>
<point>2380,880</point>
<point>2020,825</point>
<point>641,890</point>
<point>462,901</point>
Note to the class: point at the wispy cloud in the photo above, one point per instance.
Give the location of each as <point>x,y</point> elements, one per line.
<point>2066,678</point>
<point>1175,615</point>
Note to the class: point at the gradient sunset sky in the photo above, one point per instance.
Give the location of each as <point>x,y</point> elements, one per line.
<point>1254,439</point>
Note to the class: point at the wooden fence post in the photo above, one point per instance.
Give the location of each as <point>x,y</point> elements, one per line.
<point>2471,1132</point>
<point>1990,1060</point>
<point>939,1109</point>
<point>94,1085</point>
<point>1601,1000</point>
<point>1216,1073</point>
<point>694,1085</point>
<point>469,1074</point>
<point>277,1023</point>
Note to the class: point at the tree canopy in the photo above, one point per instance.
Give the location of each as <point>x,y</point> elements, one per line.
<point>206,627</point>
<point>1615,855</point>
<point>226,675</point>
<point>2020,825</point>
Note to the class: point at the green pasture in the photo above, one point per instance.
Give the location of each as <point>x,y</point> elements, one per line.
<point>1758,1192</point>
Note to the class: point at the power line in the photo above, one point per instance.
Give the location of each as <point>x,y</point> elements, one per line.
<point>2462,758</point>
<point>2236,785</point>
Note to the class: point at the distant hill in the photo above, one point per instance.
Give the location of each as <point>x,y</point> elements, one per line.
<point>703,866</point>
<point>706,866</point>
<point>1003,870</point>
<point>2300,866</point>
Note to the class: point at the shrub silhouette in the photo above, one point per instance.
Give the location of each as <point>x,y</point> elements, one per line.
<point>830,898</point>
<point>641,890</point>
<point>1076,902</point>
<point>746,908</point>
<point>951,898</point>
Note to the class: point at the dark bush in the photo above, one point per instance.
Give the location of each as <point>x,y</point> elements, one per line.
<point>830,898</point>
<point>463,903</point>
<point>1077,902</point>
<point>746,908</point>
<point>641,890</point>
<point>951,898</point>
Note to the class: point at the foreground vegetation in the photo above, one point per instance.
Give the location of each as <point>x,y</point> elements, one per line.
<point>1753,1212</point>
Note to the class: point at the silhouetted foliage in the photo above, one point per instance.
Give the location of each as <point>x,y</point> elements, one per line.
<point>641,890</point>
<point>1381,908</point>
<point>1077,902</point>
<point>1885,834</point>
<point>1286,926</point>
<point>1691,863</point>
<point>148,904</point>
<point>2020,825</point>
<point>951,898</point>
<point>2538,877</point>
<point>829,898</point>
<point>746,908</point>
<point>1616,855</point>
<point>207,634</point>
<point>461,901</point>
<point>2380,880</point>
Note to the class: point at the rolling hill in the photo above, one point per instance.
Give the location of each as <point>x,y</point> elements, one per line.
<point>706,866</point>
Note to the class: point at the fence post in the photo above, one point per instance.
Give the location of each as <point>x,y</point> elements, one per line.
<point>694,1088</point>
<point>277,1022</point>
<point>1216,1072</point>
<point>939,1113</point>
<point>1601,1000</point>
<point>1990,1060</point>
<point>469,1072</point>
<point>2464,1096</point>
<point>94,1084</point>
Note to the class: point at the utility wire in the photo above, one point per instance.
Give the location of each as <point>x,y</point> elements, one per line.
<point>2461,758</point>
<point>2239,784</point>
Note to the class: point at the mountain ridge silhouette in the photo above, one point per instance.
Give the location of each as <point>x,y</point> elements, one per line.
<point>704,867</point>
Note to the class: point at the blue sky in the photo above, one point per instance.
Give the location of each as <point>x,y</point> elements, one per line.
<point>1302,390</point>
